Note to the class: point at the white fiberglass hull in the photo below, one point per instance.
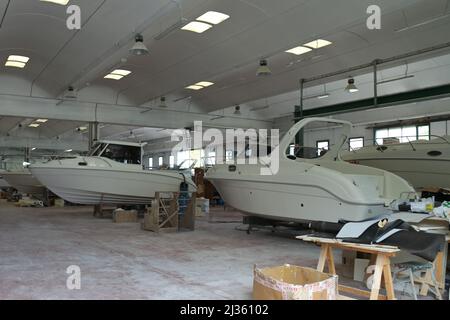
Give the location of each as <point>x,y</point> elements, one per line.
<point>287,202</point>
<point>424,164</point>
<point>421,173</point>
<point>24,182</point>
<point>115,184</point>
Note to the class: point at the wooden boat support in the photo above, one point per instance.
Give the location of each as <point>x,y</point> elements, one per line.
<point>164,214</point>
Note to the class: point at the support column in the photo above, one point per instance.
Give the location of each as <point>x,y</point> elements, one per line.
<point>298,116</point>
<point>94,134</point>
<point>375,83</point>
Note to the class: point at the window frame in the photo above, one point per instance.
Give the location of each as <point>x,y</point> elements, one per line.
<point>317,146</point>
<point>353,138</point>
<point>401,127</point>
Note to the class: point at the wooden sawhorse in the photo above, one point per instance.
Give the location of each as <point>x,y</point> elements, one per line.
<point>382,254</point>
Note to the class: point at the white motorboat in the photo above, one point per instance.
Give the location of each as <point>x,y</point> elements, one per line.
<point>423,163</point>
<point>111,174</point>
<point>24,182</point>
<point>322,189</point>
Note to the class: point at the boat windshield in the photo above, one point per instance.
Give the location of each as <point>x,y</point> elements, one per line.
<point>119,153</point>
<point>307,152</point>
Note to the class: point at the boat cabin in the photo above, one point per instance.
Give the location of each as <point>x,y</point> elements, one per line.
<point>124,152</point>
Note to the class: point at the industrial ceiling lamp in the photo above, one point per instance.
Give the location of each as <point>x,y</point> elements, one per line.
<point>237,111</point>
<point>263,69</point>
<point>162,102</point>
<point>139,48</point>
<point>351,87</point>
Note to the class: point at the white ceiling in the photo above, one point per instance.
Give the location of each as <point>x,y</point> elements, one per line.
<point>228,54</point>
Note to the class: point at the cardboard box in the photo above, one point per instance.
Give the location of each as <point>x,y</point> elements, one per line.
<point>123,216</point>
<point>293,283</point>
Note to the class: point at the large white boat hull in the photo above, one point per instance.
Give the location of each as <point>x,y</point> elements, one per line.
<point>24,182</point>
<point>421,173</point>
<point>286,202</point>
<point>92,185</point>
<point>424,164</point>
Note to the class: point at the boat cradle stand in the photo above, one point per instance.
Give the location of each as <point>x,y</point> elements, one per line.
<point>165,216</point>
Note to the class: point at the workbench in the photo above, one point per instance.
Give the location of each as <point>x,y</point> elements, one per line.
<point>382,254</point>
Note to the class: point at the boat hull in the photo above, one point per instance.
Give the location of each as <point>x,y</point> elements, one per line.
<point>24,182</point>
<point>93,186</point>
<point>424,164</point>
<point>292,202</point>
<point>421,173</point>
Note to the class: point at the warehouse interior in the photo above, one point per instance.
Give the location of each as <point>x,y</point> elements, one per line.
<point>210,149</point>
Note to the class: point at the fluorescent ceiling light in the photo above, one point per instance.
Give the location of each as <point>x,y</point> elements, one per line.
<point>113,76</point>
<point>195,87</point>
<point>204,84</point>
<point>121,72</point>
<point>34,125</point>
<point>16,61</point>
<point>117,74</point>
<point>18,58</point>
<point>198,27</point>
<point>83,128</point>
<point>319,43</point>
<point>42,120</point>
<point>15,64</point>
<point>32,149</point>
<point>69,150</point>
<point>323,96</point>
<point>61,2</point>
<point>299,50</point>
<point>213,17</point>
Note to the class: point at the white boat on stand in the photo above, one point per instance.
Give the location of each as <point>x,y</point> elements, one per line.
<point>24,182</point>
<point>111,174</point>
<point>322,189</point>
<point>423,163</point>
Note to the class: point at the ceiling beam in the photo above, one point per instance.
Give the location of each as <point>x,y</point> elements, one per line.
<point>384,101</point>
<point>20,142</point>
<point>138,116</point>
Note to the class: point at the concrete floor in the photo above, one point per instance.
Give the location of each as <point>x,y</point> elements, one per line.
<point>121,261</point>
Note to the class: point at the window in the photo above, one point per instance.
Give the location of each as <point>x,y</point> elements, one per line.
<point>150,163</point>
<point>356,143</point>
<point>229,155</point>
<point>402,134</point>
<point>160,161</point>
<point>322,147</point>
<point>423,132</point>
<point>292,150</point>
<point>187,158</point>
<point>172,162</point>
<point>211,160</point>
<point>119,153</point>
